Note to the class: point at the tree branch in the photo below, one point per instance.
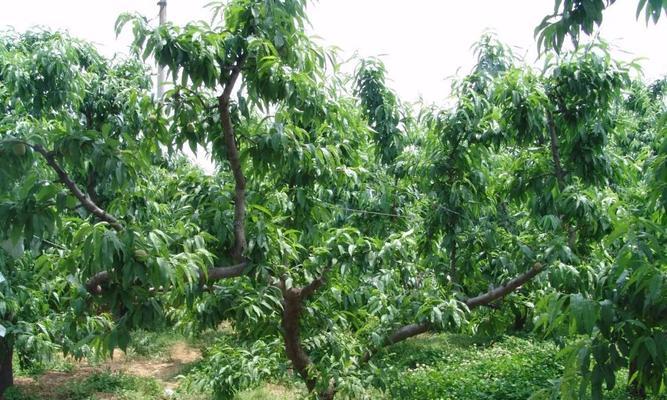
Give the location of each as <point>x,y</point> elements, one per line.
<point>410,330</point>
<point>235,164</point>
<point>94,283</point>
<point>560,174</point>
<point>313,286</point>
<point>504,290</point>
<point>555,152</point>
<point>293,300</point>
<point>220,273</point>
<point>87,203</point>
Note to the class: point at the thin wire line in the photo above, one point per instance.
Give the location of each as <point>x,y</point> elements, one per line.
<point>360,211</point>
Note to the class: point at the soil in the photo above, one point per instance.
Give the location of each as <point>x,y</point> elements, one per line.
<point>166,370</point>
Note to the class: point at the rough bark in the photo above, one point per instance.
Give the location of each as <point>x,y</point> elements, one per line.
<point>313,286</point>
<point>399,335</point>
<point>94,283</point>
<point>293,302</point>
<point>219,273</point>
<point>6,367</point>
<point>292,307</point>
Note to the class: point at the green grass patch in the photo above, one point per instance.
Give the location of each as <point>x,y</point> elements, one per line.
<point>102,385</point>
<point>451,367</point>
<point>269,392</point>
<point>153,345</point>
<point>125,387</point>
<point>455,367</point>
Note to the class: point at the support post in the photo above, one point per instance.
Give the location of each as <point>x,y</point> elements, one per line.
<point>160,71</point>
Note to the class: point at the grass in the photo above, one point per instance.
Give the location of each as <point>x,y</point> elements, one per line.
<point>152,345</point>
<point>124,386</point>
<point>102,385</point>
<point>55,363</point>
<point>268,392</point>
<point>442,367</point>
<point>453,367</point>
<point>450,367</point>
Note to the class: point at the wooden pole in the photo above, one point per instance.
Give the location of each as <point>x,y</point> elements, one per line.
<point>160,71</point>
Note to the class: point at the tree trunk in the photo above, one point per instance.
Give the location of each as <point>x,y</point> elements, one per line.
<point>555,152</point>
<point>520,319</point>
<point>6,367</point>
<point>292,307</point>
<point>452,262</point>
<point>634,387</point>
<point>560,176</point>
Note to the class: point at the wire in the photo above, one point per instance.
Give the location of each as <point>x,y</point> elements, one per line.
<point>360,211</point>
<point>52,244</point>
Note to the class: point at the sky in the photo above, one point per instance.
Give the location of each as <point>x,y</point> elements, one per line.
<point>422,42</point>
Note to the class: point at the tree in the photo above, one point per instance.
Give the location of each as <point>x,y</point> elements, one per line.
<point>621,311</point>
<point>62,107</point>
<point>623,308</point>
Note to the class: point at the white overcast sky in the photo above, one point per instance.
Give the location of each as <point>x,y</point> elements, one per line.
<point>423,42</point>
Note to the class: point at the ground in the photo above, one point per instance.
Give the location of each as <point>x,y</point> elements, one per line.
<point>163,370</point>
<point>445,367</point>
<point>152,369</point>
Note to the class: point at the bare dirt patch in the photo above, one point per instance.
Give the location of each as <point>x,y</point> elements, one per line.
<point>181,354</point>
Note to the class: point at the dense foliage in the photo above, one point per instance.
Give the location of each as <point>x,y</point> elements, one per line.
<point>571,17</point>
<point>339,221</point>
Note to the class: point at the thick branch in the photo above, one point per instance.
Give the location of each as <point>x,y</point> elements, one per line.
<point>408,331</point>
<point>504,290</point>
<point>87,203</point>
<point>94,283</point>
<point>235,164</point>
<point>399,335</point>
<point>293,299</point>
<point>313,286</point>
<point>560,174</point>
<point>219,273</point>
